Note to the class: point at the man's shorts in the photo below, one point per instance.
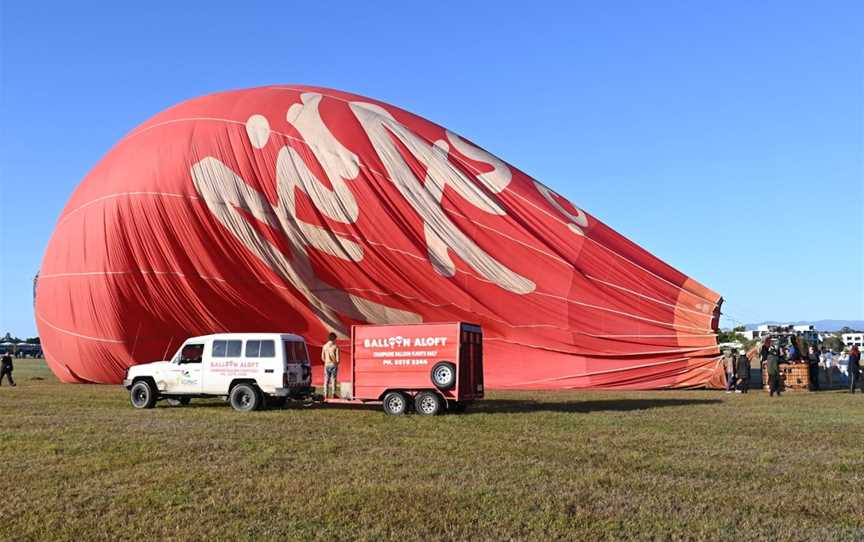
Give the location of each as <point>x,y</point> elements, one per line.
<point>331,370</point>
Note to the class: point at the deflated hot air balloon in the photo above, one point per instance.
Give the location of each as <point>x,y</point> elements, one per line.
<point>306,210</point>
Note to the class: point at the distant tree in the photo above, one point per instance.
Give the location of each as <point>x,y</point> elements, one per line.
<point>33,340</point>
<point>735,337</point>
<point>833,343</point>
<point>739,329</point>
<point>724,336</point>
<point>8,338</point>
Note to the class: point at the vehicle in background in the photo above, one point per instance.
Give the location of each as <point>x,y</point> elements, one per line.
<point>250,369</point>
<point>434,367</point>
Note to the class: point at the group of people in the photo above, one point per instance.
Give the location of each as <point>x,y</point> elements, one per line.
<point>737,366</point>
<point>772,356</point>
<point>737,372</point>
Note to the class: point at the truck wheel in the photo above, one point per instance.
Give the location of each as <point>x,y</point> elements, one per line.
<point>444,375</point>
<point>395,403</point>
<point>142,395</point>
<point>245,397</point>
<point>177,401</point>
<point>428,403</point>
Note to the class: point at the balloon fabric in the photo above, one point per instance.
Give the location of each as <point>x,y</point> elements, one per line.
<point>307,210</point>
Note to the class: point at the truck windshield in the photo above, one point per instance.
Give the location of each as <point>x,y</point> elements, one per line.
<point>295,352</point>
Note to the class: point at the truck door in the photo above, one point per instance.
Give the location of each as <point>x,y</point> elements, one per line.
<point>297,371</point>
<point>186,373</point>
<point>223,364</point>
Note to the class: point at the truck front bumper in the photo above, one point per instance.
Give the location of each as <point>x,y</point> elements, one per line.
<point>127,383</point>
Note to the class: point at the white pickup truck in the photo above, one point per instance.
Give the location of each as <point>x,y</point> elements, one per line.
<point>250,369</point>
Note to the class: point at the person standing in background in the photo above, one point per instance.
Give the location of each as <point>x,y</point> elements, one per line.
<point>763,352</point>
<point>813,368</point>
<point>6,368</point>
<point>793,355</point>
<point>743,371</point>
<point>729,367</point>
<point>330,357</point>
<point>828,363</point>
<point>772,365</point>
<point>854,368</point>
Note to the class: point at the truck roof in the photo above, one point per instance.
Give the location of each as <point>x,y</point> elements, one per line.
<point>253,336</point>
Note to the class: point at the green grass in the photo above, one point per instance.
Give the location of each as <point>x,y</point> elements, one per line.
<point>78,463</point>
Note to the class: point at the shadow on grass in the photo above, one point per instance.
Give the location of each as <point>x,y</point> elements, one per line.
<point>218,403</point>
<point>508,406</point>
<point>342,406</point>
<point>489,406</point>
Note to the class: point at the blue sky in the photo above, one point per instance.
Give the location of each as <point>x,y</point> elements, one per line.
<point>725,137</point>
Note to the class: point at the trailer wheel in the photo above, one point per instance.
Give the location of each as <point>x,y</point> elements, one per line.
<point>444,375</point>
<point>245,397</point>
<point>428,403</point>
<point>395,403</point>
<point>142,395</point>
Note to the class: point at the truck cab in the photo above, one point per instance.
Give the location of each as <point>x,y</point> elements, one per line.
<point>249,369</point>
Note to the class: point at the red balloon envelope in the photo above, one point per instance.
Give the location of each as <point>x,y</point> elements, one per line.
<point>306,210</point>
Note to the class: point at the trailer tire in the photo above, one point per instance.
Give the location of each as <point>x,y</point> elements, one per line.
<point>395,403</point>
<point>245,397</point>
<point>143,394</point>
<point>428,403</point>
<point>443,375</point>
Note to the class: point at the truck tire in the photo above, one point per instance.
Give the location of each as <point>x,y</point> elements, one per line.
<point>245,397</point>
<point>444,375</point>
<point>177,401</point>
<point>395,403</point>
<point>143,394</point>
<point>428,403</point>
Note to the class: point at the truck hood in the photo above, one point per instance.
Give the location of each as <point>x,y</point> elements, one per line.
<point>148,369</point>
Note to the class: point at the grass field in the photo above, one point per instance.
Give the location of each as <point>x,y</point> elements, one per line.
<point>78,463</point>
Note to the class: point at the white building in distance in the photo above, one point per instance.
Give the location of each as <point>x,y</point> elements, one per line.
<point>852,339</point>
<point>806,332</point>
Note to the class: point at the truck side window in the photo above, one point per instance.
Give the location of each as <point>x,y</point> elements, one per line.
<point>192,353</point>
<point>295,352</point>
<point>234,349</point>
<point>252,348</point>
<point>219,349</point>
<point>268,349</point>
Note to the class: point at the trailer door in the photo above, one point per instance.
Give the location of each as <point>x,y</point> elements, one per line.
<point>470,362</point>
